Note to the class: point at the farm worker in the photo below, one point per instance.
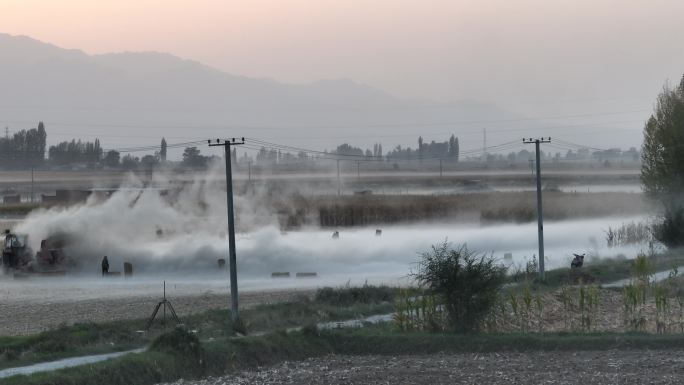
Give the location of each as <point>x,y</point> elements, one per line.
<point>105,266</point>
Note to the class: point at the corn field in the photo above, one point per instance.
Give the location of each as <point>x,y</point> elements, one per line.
<point>640,306</point>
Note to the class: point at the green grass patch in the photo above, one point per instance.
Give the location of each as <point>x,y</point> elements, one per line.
<point>68,341</point>
<point>270,317</point>
<point>348,295</point>
<point>179,354</point>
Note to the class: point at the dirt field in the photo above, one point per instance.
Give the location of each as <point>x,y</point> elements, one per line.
<point>33,307</point>
<point>579,367</point>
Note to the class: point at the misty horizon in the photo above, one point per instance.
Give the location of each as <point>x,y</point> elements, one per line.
<point>351,108</point>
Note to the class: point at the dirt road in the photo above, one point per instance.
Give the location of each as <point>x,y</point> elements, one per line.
<point>582,367</point>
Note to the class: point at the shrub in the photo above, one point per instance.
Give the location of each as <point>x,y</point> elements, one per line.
<point>239,327</point>
<point>671,230</point>
<point>466,283</point>
<point>178,342</point>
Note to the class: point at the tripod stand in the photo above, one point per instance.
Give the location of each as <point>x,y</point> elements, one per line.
<point>163,303</point>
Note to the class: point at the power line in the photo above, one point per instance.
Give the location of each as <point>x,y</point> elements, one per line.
<point>155,147</point>
<point>580,146</point>
<point>260,145</point>
<point>318,126</point>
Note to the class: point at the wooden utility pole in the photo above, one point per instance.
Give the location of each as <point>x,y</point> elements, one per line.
<point>231,225</point>
<point>540,216</point>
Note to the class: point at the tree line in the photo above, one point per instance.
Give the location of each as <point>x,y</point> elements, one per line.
<point>27,148</point>
<point>662,163</point>
<point>24,148</point>
<point>448,149</point>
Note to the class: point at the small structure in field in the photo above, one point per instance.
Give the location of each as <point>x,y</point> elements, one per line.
<point>307,275</point>
<point>128,269</point>
<point>363,192</point>
<point>280,274</point>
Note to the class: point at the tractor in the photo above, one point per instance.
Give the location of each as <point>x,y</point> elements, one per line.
<point>18,256</point>
<point>15,252</point>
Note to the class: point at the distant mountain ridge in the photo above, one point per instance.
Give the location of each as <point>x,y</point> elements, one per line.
<point>140,94</point>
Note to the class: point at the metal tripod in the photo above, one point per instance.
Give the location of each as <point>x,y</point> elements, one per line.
<point>164,302</point>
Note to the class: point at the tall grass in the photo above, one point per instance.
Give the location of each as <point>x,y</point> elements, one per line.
<point>629,234</point>
<point>335,211</point>
<point>419,312</point>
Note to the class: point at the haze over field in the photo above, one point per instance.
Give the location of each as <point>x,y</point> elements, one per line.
<point>173,233</point>
<point>581,70</point>
<point>447,175</point>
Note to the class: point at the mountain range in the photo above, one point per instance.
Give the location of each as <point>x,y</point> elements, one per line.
<point>135,98</point>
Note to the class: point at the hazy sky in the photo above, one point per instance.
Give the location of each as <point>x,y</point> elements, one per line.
<point>536,57</point>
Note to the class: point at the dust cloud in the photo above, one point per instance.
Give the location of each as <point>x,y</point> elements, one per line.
<point>182,231</point>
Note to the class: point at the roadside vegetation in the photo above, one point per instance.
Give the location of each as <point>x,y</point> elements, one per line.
<point>459,283</point>
<point>89,338</point>
<point>598,271</point>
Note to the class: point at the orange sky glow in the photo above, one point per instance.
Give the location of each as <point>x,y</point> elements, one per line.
<point>442,49</point>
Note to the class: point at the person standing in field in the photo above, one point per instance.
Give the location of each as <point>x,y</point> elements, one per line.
<point>105,266</point>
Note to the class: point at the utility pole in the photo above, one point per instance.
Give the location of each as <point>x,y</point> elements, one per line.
<point>231,225</point>
<point>540,217</point>
<point>338,177</point>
